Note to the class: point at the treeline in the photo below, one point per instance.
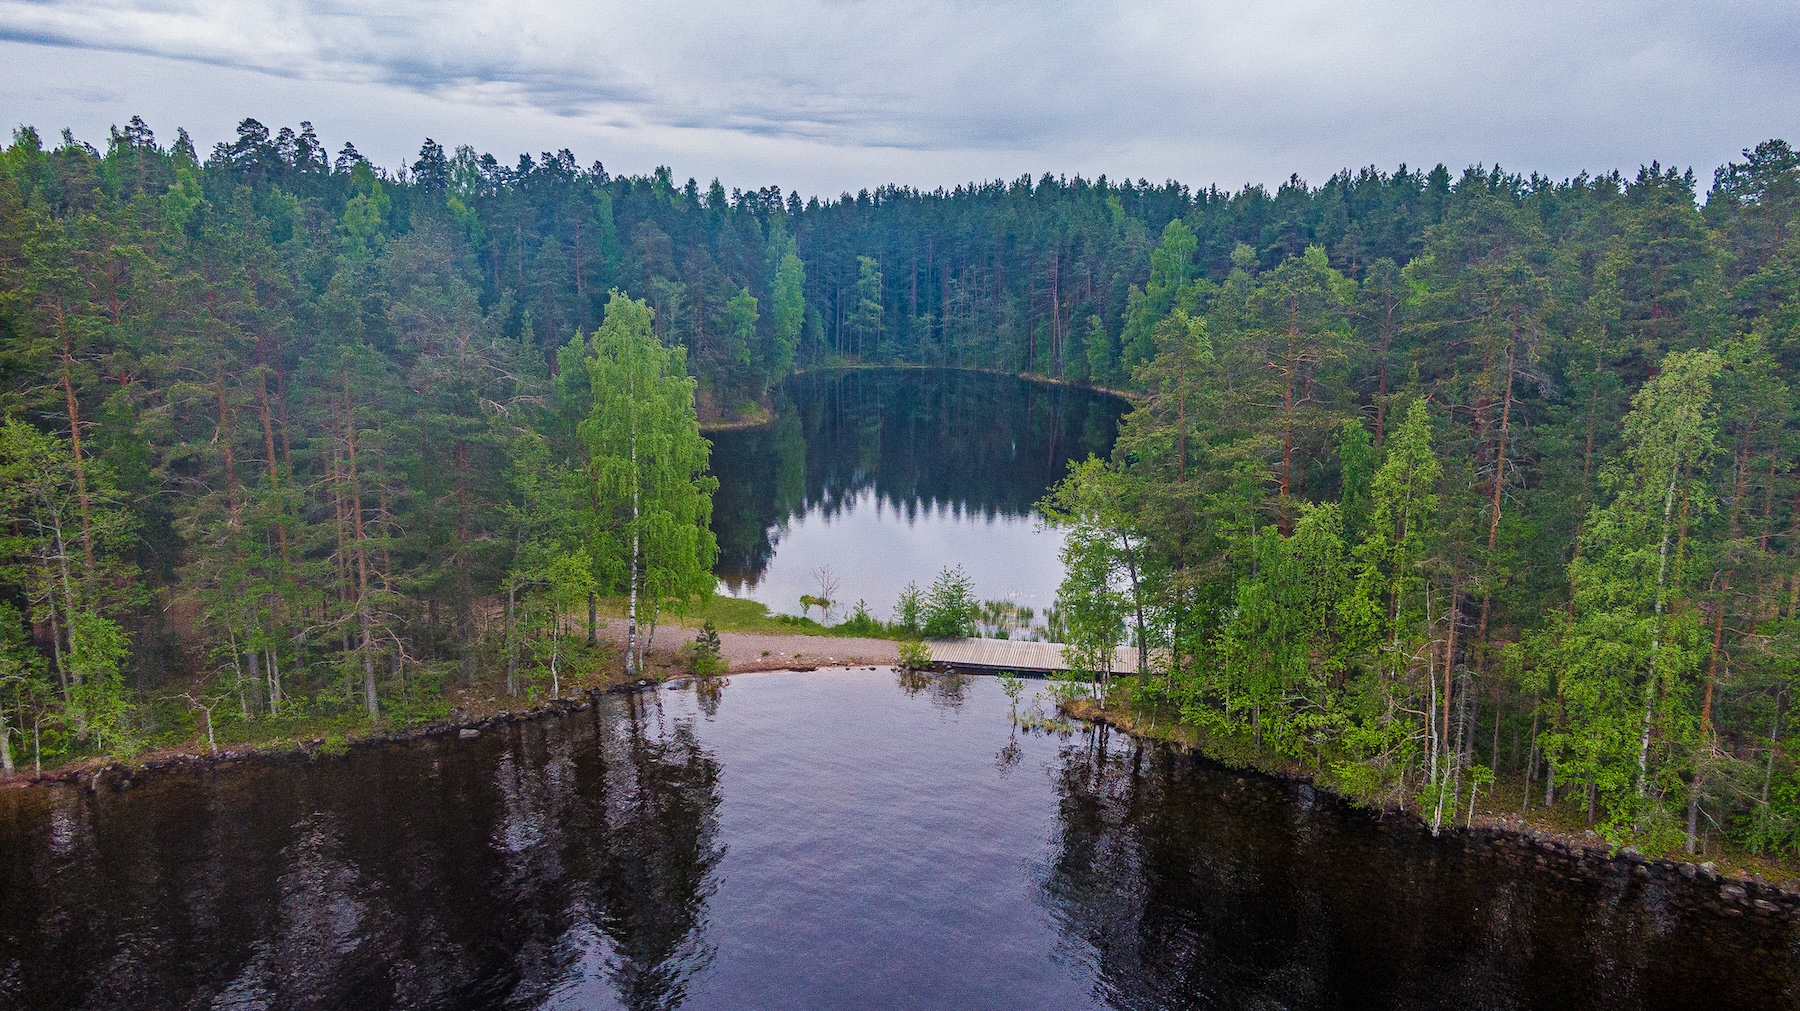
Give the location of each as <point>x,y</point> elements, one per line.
<point>1518,506</point>
<point>1065,278</point>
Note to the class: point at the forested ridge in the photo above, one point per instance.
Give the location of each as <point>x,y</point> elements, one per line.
<point>1433,477</point>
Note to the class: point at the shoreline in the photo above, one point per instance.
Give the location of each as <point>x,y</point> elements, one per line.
<point>120,774</point>
<point>763,415</point>
<point>1741,891</point>
<point>1034,377</point>
<point>662,667</point>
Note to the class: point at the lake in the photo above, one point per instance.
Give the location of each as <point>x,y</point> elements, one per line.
<point>886,476</point>
<point>833,839</point>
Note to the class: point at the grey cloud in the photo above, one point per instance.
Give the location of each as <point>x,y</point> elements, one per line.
<point>1301,85</point>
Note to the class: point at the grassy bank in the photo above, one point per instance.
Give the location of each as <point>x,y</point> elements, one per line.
<point>735,614</point>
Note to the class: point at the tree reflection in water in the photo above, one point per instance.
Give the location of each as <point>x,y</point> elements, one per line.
<point>882,854</point>
<point>559,863</point>
<point>947,690</point>
<point>637,847</point>
<point>707,693</point>
<point>1187,885</point>
<point>919,439</point>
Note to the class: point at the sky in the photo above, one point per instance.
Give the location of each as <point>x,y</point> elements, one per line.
<point>827,96</point>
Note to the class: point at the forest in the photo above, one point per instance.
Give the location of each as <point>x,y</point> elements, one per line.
<point>1432,479</point>
<point>1519,504</point>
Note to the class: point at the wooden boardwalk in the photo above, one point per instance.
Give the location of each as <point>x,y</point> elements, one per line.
<point>1017,655</point>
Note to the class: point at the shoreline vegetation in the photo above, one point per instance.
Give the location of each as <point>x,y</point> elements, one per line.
<point>845,365</point>
<point>1497,815</point>
<point>591,671</point>
<point>745,627</point>
<point>713,634</point>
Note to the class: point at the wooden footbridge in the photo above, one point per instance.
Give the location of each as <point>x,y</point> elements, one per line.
<point>1018,655</point>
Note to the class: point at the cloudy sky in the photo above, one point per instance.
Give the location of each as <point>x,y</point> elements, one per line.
<point>831,95</point>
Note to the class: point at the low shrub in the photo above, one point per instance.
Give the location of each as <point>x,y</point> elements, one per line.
<point>914,656</point>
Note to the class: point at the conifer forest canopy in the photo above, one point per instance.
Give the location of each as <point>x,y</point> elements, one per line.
<point>1432,477</point>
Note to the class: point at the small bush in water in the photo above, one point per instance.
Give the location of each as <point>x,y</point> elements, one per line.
<point>914,655</point>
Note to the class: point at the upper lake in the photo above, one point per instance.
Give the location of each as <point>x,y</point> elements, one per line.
<point>888,475</point>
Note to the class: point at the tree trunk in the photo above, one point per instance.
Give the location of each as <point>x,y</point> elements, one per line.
<point>1137,603</point>
<point>1662,574</point>
<point>1450,658</point>
<point>74,409</point>
<point>370,702</point>
<point>512,648</point>
<point>274,669</point>
<point>580,292</point>
<point>1587,463</point>
<point>365,623</point>
<point>68,587</point>
<point>274,468</point>
<point>255,657</point>
<point>1531,758</point>
<point>223,435</point>
<point>1381,394</point>
<point>1283,521</point>
<point>631,613</point>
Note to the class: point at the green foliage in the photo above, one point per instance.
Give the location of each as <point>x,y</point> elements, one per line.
<point>1107,574</point>
<point>1628,663</point>
<point>1014,686</point>
<point>706,659</point>
<point>914,656</point>
<point>1001,619</point>
<point>1356,460</point>
<point>788,314</point>
<point>1102,354</point>
<point>909,609</point>
<point>647,462</point>
<point>950,606</point>
<point>860,621</point>
<point>98,704</point>
<point>867,311</point>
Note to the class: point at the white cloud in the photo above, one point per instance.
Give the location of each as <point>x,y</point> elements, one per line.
<point>847,94</point>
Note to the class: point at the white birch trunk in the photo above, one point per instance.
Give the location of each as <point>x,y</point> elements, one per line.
<point>1662,573</point>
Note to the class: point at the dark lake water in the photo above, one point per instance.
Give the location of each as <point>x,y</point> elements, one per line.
<point>838,839</point>
<point>888,475</point>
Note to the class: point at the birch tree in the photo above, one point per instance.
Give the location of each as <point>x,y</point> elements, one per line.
<point>648,464</point>
<point>1631,654</point>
